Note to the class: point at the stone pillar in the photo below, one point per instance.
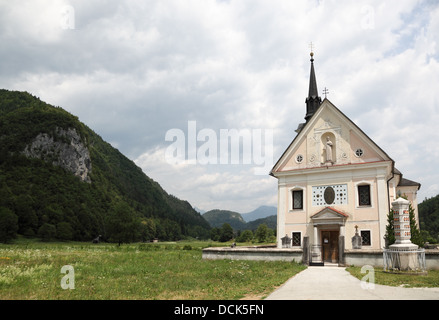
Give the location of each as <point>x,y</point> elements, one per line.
<point>305,254</point>
<point>383,206</point>
<point>316,239</point>
<point>401,225</point>
<point>403,247</point>
<point>341,254</point>
<point>281,208</point>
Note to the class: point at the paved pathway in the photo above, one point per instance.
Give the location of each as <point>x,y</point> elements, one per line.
<point>335,283</point>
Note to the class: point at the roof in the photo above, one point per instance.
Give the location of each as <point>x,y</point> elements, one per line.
<point>337,212</point>
<point>310,121</point>
<point>408,183</point>
<point>403,182</point>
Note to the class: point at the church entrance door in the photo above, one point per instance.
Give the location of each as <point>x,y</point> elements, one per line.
<point>330,246</point>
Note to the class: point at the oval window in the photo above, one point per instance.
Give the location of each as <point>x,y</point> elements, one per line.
<point>329,195</point>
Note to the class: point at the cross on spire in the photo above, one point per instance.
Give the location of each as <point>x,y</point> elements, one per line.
<point>325,91</point>
<point>311,46</point>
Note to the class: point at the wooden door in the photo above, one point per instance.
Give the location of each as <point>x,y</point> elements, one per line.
<point>330,246</point>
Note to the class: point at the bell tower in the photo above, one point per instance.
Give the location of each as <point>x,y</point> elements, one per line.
<point>313,100</point>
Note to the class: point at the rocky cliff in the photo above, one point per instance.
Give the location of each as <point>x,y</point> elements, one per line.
<point>65,149</point>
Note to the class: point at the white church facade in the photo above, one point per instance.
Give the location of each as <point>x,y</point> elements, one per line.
<point>333,182</point>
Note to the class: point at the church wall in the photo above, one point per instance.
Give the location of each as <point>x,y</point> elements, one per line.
<point>366,217</point>
<point>368,154</point>
<point>293,163</point>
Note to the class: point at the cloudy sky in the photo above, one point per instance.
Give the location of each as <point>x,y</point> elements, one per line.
<point>137,71</point>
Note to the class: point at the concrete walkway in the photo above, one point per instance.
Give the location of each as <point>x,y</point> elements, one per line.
<point>335,283</point>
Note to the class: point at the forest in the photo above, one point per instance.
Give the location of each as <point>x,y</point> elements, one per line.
<point>429,219</point>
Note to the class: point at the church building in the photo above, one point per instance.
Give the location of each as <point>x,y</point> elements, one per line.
<point>334,183</point>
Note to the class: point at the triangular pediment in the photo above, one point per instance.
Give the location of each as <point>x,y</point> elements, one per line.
<point>348,143</point>
<point>329,213</point>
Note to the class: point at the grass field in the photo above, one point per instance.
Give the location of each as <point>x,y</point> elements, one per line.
<point>32,270</point>
<point>430,280</point>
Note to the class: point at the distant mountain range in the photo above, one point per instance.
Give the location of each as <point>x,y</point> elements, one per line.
<point>261,212</point>
<point>246,221</point>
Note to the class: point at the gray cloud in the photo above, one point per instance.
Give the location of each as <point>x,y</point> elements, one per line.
<point>134,70</point>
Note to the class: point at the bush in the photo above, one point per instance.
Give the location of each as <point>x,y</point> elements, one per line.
<point>187,247</point>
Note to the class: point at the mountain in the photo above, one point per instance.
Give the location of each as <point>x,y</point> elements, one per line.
<point>217,218</point>
<point>58,173</point>
<point>200,211</point>
<point>270,221</point>
<point>261,212</point>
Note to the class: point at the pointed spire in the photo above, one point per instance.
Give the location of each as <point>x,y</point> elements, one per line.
<point>313,101</point>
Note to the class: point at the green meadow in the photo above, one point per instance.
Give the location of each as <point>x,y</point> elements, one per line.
<point>165,271</point>
<point>429,280</point>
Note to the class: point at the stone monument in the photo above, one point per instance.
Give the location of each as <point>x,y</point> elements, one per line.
<point>286,242</point>
<point>356,239</point>
<point>403,255</point>
<point>401,225</point>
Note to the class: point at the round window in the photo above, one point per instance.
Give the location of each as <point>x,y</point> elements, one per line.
<point>299,158</point>
<point>359,152</point>
<point>329,195</point>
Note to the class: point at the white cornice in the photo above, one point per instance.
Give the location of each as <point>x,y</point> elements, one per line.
<point>384,165</point>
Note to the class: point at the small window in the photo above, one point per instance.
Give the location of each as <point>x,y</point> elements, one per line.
<point>296,239</point>
<point>365,238</point>
<point>297,199</point>
<point>364,195</point>
<point>299,158</point>
<point>359,152</point>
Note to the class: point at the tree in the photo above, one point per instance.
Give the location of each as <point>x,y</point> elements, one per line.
<point>64,231</point>
<point>148,229</point>
<point>47,232</point>
<point>226,233</point>
<point>215,234</point>
<point>245,236</point>
<point>416,237</point>
<point>123,226</point>
<point>8,225</point>
<point>262,233</point>
<point>389,237</point>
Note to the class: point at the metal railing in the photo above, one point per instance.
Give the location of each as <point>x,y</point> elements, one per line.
<point>412,261</point>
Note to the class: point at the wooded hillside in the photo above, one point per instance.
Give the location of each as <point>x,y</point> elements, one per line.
<point>40,195</point>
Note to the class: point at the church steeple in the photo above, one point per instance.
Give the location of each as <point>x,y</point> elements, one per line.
<point>313,100</point>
